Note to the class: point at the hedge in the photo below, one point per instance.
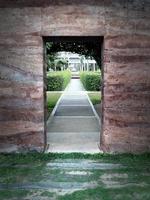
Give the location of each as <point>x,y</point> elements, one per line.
<point>91,80</point>
<point>57,81</point>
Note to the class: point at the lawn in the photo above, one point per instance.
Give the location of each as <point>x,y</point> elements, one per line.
<point>74,176</point>
<point>95,97</point>
<point>52,98</point>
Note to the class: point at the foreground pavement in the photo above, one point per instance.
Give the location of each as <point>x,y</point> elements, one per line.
<point>107,178</point>
<point>74,125</point>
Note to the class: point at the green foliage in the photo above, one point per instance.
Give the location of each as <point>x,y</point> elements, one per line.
<point>50,61</point>
<point>61,63</point>
<point>54,82</point>
<point>54,63</point>
<point>66,77</point>
<point>86,47</point>
<point>91,80</point>
<point>57,81</point>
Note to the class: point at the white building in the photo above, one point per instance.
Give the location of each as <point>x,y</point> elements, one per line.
<point>77,62</point>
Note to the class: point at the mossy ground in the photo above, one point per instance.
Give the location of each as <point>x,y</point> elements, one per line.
<point>74,176</point>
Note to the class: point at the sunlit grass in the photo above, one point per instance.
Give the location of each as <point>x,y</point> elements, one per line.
<point>52,98</point>
<point>95,97</point>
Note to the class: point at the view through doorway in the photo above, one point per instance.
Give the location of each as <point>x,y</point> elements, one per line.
<point>73,93</point>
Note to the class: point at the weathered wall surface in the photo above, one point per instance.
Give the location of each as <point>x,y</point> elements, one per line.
<point>126,104</point>
<point>21,73</point>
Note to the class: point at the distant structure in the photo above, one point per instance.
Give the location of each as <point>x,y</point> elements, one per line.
<point>77,62</point>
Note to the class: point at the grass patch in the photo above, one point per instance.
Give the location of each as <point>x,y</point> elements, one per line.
<point>11,194</point>
<point>40,157</point>
<point>101,193</point>
<point>33,169</point>
<point>95,97</point>
<point>52,98</point>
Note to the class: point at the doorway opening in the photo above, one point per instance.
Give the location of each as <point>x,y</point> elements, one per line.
<point>73,95</point>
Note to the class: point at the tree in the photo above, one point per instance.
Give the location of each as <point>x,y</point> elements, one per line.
<point>88,49</point>
<point>50,57</point>
<point>50,61</point>
<point>61,64</point>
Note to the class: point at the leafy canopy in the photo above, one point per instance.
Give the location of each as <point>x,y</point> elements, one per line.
<point>88,49</point>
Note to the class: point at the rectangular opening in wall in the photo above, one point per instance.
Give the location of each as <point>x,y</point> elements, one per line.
<point>73,79</point>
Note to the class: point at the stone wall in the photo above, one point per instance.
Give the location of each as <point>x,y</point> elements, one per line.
<point>125,26</point>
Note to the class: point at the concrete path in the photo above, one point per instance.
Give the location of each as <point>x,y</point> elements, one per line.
<point>74,125</point>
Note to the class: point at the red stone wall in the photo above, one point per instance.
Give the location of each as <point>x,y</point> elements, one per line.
<point>126,104</point>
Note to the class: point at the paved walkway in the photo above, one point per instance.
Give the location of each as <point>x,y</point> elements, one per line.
<point>74,125</point>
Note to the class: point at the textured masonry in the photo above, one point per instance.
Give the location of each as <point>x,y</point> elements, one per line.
<point>125,26</point>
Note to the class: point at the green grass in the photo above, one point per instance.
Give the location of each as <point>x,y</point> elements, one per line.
<point>40,157</point>
<point>95,97</point>
<point>100,193</point>
<point>52,98</point>
<point>12,194</point>
<point>32,169</point>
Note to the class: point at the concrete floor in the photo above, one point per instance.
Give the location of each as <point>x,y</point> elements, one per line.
<point>74,125</point>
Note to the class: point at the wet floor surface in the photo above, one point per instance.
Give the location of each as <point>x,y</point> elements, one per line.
<point>70,179</point>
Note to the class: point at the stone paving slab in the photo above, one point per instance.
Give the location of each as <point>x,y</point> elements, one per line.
<point>73,125</point>
<point>74,96</point>
<point>74,102</point>
<point>74,111</point>
<point>75,85</point>
<point>73,142</point>
<point>71,137</point>
<point>90,147</point>
<point>85,164</point>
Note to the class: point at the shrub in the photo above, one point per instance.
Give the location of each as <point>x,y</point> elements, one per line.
<point>91,80</point>
<point>66,78</point>
<point>57,81</point>
<point>54,82</point>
